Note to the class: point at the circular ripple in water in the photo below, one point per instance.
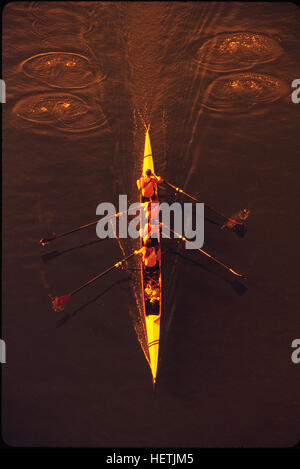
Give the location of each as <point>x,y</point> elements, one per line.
<point>237,51</point>
<point>61,69</point>
<point>60,110</point>
<point>240,92</point>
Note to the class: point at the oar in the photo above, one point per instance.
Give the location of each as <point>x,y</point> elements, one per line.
<point>211,257</point>
<point>177,189</point>
<point>62,300</point>
<point>45,241</point>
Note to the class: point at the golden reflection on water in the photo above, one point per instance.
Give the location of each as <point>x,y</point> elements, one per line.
<point>237,51</point>
<point>240,92</point>
<point>61,111</point>
<point>62,69</point>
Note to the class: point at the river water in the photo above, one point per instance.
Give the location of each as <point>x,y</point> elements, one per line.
<point>214,80</point>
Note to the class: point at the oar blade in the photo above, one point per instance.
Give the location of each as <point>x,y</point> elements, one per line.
<point>236,273</point>
<point>60,301</point>
<point>45,241</point>
<point>234,223</point>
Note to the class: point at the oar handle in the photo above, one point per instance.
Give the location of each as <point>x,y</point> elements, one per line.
<point>45,241</point>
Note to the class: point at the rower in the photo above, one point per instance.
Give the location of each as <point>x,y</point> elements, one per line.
<point>152,212</point>
<point>145,232</point>
<point>151,257</point>
<point>150,233</point>
<point>147,184</point>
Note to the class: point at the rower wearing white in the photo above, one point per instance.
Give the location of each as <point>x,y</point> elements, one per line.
<point>147,184</point>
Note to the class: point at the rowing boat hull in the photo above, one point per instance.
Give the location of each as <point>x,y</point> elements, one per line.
<point>152,321</point>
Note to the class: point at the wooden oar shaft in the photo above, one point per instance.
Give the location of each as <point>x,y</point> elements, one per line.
<point>117,264</point>
<point>44,241</point>
<point>209,255</point>
<point>60,301</point>
<point>221,263</point>
<point>61,235</point>
<point>177,189</point>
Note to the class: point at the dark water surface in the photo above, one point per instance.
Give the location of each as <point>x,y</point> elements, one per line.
<point>214,81</point>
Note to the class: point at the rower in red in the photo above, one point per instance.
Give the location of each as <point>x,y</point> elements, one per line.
<point>147,185</point>
<point>151,256</point>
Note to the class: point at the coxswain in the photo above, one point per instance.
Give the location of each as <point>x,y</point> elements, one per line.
<point>155,294</point>
<point>147,184</point>
<point>148,290</point>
